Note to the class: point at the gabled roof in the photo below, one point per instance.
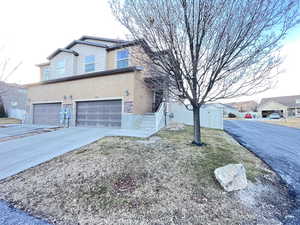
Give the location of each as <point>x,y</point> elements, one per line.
<point>75,42</point>
<point>289,101</point>
<point>116,45</point>
<point>62,50</point>
<point>84,37</point>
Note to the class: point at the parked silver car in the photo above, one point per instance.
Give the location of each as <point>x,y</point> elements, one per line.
<point>274,116</point>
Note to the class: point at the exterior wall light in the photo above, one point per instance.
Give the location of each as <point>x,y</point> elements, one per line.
<point>126,93</point>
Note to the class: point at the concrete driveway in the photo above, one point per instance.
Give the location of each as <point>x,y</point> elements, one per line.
<point>17,129</point>
<point>20,154</point>
<point>278,146</point>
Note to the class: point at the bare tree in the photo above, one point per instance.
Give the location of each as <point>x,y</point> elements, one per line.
<point>7,69</point>
<point>209,50</point>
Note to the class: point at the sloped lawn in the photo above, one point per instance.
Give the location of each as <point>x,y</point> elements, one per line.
<point>9,121</point>
<point>119,180</point>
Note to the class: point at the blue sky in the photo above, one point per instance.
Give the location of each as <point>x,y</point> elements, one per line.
<point>33,29</point>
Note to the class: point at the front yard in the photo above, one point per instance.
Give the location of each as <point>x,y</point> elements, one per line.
<point>161,180</point>
<point>9,121</point>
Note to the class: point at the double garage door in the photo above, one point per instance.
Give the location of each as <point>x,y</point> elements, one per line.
<point>106,113</point>
<point>99,113</point>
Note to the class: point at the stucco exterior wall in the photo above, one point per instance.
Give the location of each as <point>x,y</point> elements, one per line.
<point>90,88</point>
<point>143,96</point>
<point>128,86</point>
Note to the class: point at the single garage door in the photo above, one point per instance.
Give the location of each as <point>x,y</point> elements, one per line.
<point>46,113</point>
<point>99,113</point>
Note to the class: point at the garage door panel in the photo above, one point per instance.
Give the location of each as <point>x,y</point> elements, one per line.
<point>46,113</point>
<point>106,113</point>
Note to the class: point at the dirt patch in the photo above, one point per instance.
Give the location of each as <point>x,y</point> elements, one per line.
<point>118,180</point>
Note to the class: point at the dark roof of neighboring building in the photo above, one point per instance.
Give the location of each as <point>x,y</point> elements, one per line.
<point>84,37</point>
<point>289,101</point>
<point>89,75</point>
<point>62,50</point>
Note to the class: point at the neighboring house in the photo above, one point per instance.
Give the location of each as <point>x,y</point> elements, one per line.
<point>227,109</point>
<point>246,106</point>
<point>287,106</point>
<point>92,82</point>
<point>13,98</point>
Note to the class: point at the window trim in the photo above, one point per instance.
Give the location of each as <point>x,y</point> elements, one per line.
<point>93,63</point>
<point>122,59</point>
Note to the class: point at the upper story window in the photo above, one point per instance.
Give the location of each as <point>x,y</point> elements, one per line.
<point>89,63</point>
<point>60,67</point>
<point>46,73</point>
<point>122,59</point>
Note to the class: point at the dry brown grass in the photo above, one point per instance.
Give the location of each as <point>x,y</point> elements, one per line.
<point>9,121</point>
<point>290,122</point>
<point>119,180</point>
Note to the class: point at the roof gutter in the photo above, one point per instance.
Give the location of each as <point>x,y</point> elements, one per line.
<point>89,75</point>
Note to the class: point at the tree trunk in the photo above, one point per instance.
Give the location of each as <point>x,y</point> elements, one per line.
<point>197,132</point>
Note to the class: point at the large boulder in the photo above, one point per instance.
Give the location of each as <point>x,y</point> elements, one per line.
<point>232,177</point>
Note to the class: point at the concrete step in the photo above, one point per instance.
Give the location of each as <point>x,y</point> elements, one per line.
<point>149,114</point>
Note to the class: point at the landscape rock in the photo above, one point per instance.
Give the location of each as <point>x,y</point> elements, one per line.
<point>175,126</point>
<point>151,140</point>
<point>232,177</point>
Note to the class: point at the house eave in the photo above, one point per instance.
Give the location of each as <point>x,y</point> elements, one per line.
<point>62,50</point>
<point>84,37</point>
<point>89,75</point>
<point>76,42</point>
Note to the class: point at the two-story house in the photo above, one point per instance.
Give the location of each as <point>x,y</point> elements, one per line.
<point>92,81</point>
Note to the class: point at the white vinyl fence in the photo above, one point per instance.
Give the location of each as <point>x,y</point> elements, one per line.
<point>210,116</point>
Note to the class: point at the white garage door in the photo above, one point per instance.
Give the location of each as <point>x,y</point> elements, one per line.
<point>46,113</point>
<point>106,113</point>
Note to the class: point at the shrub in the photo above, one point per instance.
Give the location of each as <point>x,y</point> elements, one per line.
<point>2,111</point>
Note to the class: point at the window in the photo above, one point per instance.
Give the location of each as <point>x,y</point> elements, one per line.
<point>60,67</point>
<point>46,73</point>
<point>122,59</point>
<point>89,63</point>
